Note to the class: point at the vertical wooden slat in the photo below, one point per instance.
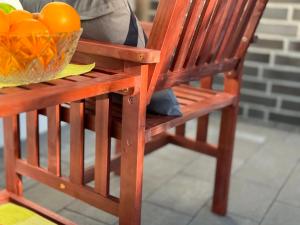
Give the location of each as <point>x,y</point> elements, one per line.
<point>217,34</point>
<point>77,142</point>
<point>32,141</point>
<point>165,35</point>
<point>180,130</point>
<point>238,11</point>
<point>12,153</point>
<point>102,158</point>
<point>200,38</point>
<point>203,122</point>
<point>54,142</point>
<point>198,7</point>
<point>238,34</point>
<point>251,27</point>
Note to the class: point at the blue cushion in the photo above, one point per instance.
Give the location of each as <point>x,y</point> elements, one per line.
<point>164,103</point>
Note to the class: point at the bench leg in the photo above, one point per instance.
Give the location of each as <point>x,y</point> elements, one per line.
<point>224,160</point>
<point>132,157</point>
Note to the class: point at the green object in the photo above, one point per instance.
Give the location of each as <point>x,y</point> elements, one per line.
<point>7,8</point>
<point>70,70</point>
<point>75,70</point>
<point>11,214</point>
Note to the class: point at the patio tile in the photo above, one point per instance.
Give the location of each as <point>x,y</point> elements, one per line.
<point>158,170</point>
<point>155,215</point>
<point>272,164</point>
<point>206,217</point>
<point>250,200</point>
<point>260,130</point>
<point>204,168</point>
<point>48,197</point>
<point>175,154</point>
<point>244,149</point>
<point>91,212</point>
<point>291,192</point>
<point>183,194</point>
<point>79,219</point>
<point>281,214</point>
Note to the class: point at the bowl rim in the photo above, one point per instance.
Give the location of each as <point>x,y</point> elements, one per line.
<point>8,35</point>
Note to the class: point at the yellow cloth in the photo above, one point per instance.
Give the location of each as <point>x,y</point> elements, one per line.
<point>11,214</point>
<point>70,70</point>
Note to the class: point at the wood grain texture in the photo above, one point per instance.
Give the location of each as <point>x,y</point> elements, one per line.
<point>32,140</point>
<point>103,139</point>
<point>12,154</point>
<point>77,142</point>
<point>54,140</point>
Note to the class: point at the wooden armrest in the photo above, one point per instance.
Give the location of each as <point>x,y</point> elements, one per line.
<point>147,26</point>
<point>122,52</point>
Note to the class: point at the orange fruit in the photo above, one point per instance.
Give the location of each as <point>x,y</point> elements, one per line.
<point>29,27</point>
<point>60,17</point>
<point>19,15</point>
<point>4,22</point>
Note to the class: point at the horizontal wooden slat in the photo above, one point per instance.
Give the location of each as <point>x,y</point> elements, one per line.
<point>196,146</point>
<point>86,194</point>
<point>28,100</point>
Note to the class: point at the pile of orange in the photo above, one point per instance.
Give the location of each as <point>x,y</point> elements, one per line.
<point>25,36</point>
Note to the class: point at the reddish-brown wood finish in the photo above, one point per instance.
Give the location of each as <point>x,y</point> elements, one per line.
<point>102,156</point>
<point>54,151</point>
<point>188,41</point>
<point>32,138</point>
<point>77,142</point>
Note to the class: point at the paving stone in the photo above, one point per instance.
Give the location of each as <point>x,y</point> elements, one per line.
<point>176,154</point>
<point>291,192</point>
<point>250,200</point>
<point>272,164</point>
<point>48,197</point>
<point>78,218</point>
<point>183,194</point>
<point>204,168</point>
<point>281,214</point>
<point>91,212</point>
<point>269,134</point>
<point>244,149</point>
<point>158,170</point>
<point>155,215</point>
<point>206,217</point>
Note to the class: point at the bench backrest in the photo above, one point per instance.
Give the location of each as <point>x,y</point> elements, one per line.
<point>200,37</point>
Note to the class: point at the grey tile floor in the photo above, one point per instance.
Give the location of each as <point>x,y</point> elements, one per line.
<point>178,183</point>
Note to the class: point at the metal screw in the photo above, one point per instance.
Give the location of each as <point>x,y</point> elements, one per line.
<point>245,39</point>
<point>131,100</point>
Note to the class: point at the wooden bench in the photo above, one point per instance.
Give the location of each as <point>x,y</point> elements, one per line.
<point>188,41</point>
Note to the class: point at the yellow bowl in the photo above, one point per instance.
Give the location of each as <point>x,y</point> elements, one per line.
<point>35,58</point>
